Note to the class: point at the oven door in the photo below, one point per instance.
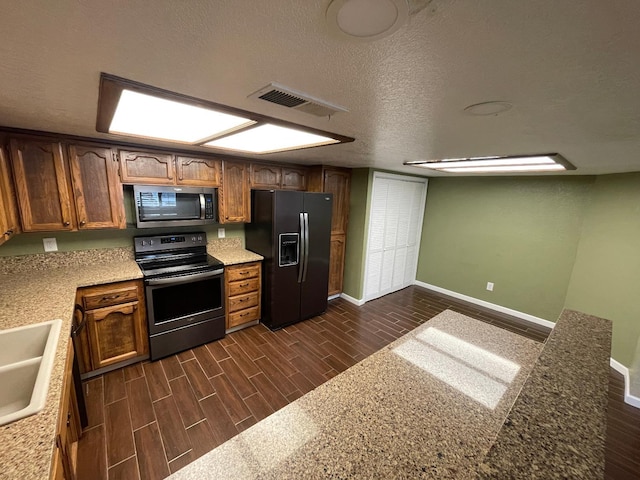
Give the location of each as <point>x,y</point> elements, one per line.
<point>179,301</point>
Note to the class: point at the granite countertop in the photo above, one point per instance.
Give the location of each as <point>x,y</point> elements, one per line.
<point>557,427</point>
<point>41,287</point>
<point>454,398</point>
<point>429,405</point>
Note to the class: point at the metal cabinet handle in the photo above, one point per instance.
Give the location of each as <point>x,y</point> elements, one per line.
<point>8,232</point>
<point>244,285</point>
<point>66,224</point>
<point>82,222</point>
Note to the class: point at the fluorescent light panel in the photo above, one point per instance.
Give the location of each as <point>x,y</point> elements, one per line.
<point>269,138</point>
<point>528,163</point>
<point>149,116</point>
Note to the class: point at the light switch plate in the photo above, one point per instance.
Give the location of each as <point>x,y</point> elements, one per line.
<point>490,286</point>
<point>221,233</point>
<point>50,244</point>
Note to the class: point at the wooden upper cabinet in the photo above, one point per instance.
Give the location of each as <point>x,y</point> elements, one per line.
<point>9,222</point>
<point>147,168</point>
<point>265,177</point>
<point>337,182</point>
<point>202,172</point>
<point>41,185</point>
<point>294,178</point>
<point>235,200</point>
<point>96,187</point>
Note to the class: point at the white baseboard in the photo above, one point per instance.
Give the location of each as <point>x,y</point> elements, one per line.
<point>492,306</point>
<point>350,299</point>
<point>628,398</point>
<point>331,297</point>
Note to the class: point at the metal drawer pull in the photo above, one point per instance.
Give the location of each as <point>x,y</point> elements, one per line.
<point>245,314</point>
<point>244,285</point>
<point>244,273</point>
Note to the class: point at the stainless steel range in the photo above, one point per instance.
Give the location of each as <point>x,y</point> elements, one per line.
<point>184,289</point>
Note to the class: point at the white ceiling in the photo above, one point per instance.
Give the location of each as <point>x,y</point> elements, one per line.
<point>571,70</point>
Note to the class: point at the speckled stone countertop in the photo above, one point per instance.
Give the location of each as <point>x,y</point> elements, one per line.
<point>428,405</point>
<point>41,287</point>
<point>557,426</point>
<point>230,252</point>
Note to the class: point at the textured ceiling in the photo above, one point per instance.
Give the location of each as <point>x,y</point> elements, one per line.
<point>570,69</point>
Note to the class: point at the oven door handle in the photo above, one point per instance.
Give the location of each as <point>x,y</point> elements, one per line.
<point>191,277</point>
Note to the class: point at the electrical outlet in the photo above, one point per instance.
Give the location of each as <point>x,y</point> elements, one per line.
<point>490,286</point>
<point>50,244</point>
<point>221,233</point>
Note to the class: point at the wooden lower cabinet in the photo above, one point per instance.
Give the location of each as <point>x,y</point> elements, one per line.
<point>243,287</point>
<point>336,263</point>
<point>68,430</point>
<point>115,328</point>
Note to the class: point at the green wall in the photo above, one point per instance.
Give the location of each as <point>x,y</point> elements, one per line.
<point>357,232</point>
<point>520,233</point>
<point>30,243</point>
<point>606,276</point>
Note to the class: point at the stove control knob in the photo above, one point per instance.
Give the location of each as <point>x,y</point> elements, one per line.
<point>150,242</point>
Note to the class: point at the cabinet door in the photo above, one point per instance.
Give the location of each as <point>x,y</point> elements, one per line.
<point>116,333</point>
<point>336,264</point>
<point>147,168</point>
<point>41,185</point>
<point>294,178</point>
<point>69,429</point>
<point>235,194</point>
<point>337,182</point>
<point>96,187</point>
<point>203,172</point>
<point>265,177</point>
<point>9,223</point>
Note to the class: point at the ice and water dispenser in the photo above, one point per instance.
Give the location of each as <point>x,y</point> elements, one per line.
<point>289,249</point>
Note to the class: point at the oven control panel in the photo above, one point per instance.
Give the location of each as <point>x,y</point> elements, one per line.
<point>159,243</point>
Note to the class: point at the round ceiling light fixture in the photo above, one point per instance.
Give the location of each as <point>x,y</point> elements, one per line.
<point>367,20</point>
<point>488,108</point>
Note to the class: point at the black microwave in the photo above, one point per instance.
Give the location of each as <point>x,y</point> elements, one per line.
<point>174,206</point>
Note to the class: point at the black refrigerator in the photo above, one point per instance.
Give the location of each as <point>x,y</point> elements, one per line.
<point>292,231</point>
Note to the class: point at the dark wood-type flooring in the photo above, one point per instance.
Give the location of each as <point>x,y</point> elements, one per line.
<point>150,419</point>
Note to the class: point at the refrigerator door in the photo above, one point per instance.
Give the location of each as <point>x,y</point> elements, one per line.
<point>315,284</point>
<point>284,308</point>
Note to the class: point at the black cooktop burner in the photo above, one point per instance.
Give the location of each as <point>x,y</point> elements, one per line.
<point>168,255</point>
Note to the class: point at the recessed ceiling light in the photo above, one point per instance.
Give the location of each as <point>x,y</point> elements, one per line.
<point>268,138</point>
<point>488,108</point>
<point>523,163</point>
<point>367,19</point>
<point>131,108</point>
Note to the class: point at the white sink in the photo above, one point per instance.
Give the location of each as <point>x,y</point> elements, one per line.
<point>26,359</point>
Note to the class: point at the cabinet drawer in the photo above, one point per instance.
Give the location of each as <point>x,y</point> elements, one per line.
<point>244,316</point>
<point>109,296</point>
<point>240,272</point>
<point>243,301</point>
<point>244,286</point>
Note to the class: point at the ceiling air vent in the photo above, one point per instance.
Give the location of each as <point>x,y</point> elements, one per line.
<point>289,98</point>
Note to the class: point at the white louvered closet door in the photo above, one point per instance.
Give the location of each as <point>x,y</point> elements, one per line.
<point>395,225</point>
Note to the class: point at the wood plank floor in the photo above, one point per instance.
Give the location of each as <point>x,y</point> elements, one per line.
<point>149,420</point>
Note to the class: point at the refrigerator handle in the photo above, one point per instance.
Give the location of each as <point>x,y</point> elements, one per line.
<point>302,250</point>
<point>306,246</point>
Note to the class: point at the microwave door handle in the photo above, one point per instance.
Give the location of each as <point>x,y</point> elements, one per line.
<point>202,209</point>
